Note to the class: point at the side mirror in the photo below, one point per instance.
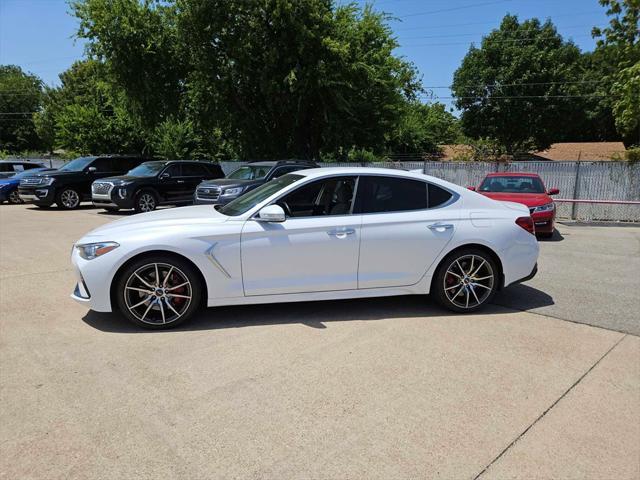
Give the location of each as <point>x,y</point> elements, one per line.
<point>553,191</point>
<point>165,175</point>
<point>271,213</point>
<point>92,170</point>
<point>473,189</point>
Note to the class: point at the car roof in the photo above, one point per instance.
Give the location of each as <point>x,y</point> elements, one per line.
<point>512,174</point>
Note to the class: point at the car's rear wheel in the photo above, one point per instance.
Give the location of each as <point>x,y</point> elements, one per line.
<point>14,197</point>
<point>145,201</point>
<point>159,292</point>
<point>68,198</point>
<point>466,280</point>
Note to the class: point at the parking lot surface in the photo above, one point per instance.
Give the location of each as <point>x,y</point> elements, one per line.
<point>374,388</point>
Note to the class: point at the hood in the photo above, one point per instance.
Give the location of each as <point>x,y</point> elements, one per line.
<point>4,181</point>
<point>159,220</point>
<point>528,199</point>
<point>231,182</point>
<point>58,174</point>
<point>120,179</point>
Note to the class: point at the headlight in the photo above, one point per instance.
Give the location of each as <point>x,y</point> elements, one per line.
<point>89,251</point>
<point>47,181</point>
<point>545,208</point>
<point>233,191</point>
<point>122,192</point>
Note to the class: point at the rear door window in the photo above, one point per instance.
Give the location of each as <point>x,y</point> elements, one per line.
<point>377,194</point>
<point>193,170</point>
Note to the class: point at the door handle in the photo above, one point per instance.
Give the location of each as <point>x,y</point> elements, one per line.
<point>440,227</point>
<point>341,232</point>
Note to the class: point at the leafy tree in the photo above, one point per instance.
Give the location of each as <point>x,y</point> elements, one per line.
<point>20,96</point>
<point>279,78</point>
<point>512,89</point>
<point>86,113</point>
<point>618,54</point>
<point>422,128</point>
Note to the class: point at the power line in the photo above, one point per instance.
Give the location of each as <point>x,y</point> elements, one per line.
<point>514,40</point>
<point>498,85</point>
<point>485,33</point>
<point>504,97</point>
<point>462,7</point>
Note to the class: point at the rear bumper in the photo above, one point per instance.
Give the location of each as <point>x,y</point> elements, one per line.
<point>530,276</point>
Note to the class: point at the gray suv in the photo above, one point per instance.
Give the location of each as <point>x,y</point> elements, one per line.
<point>244,179</point>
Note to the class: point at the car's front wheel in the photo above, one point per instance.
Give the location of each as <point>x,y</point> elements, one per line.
<point>466,280</point>
<point>68,199</point>
<point>145,202</point>
<point>14,198</point>
<point>158,292</point>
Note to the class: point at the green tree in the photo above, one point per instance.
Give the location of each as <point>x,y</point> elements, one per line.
<point>618,57</point>
<point>86,113</point>
<point>422,128</point>
<point>280,78</point>
<point>20,96</point>
<point>513,87</point>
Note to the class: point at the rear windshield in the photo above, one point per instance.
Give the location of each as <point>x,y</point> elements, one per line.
<point>513,184</point>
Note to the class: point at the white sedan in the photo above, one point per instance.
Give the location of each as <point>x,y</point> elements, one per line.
<point>319,234</point>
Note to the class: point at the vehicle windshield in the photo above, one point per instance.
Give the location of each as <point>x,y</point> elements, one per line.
<point>511,184</point>
<point>250,172</point>
<point>147,169</point>
<point>246,202</point>
<point>77,165</point>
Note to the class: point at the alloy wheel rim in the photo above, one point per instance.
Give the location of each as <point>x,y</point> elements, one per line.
<point>14,197</point>
<point>147,202</point>
<point>70,199</point>
<point>468,281</point>
<point>158,293</point>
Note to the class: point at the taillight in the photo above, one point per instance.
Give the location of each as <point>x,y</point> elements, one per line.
<point>527,224</point>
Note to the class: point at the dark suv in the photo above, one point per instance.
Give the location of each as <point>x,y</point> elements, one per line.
<point>244,179</point>
<point>71,183</point>
<point>154,183</point>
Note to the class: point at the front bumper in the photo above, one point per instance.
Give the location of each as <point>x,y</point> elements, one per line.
<point>544,221</point>
<point>40,195</point>
<point>221,200</point>
<point>93,280</point>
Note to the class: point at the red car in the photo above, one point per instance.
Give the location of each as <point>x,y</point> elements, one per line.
<point>525,188</point>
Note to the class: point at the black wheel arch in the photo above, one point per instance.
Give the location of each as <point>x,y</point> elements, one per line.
<point>151,254</point>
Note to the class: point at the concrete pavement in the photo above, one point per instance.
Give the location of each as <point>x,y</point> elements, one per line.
<point>376,388</point>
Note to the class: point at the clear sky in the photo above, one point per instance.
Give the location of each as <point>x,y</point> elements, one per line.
<point>38,35</point>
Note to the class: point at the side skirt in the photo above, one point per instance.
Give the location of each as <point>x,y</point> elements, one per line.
<point>417,289</point>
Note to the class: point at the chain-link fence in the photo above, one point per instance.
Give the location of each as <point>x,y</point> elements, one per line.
<point>588,182</point>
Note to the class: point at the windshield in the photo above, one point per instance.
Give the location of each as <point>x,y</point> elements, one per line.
<point>77,165</point>
<point>246,202</point>
<point>513,184</point>
<point>147,169</point>
<point>250,172</point>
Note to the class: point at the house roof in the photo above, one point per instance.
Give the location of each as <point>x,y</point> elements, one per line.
<point>585,151</point>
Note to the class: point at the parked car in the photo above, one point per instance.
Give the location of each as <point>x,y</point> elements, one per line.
<point>9,186</point>
<point>71,183</point>
<point>153,183</point>
<point>318,234</point>
<point>245,179</point>
<point>525,188</point>
<point>8,168</point>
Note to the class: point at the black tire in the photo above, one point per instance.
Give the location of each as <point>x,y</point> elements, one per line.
<point>68,199</point>
<point>453,279</point>
<point>545,235</point>
<point>14,198</point>
<point>145,201</point>
<point>151,314</point>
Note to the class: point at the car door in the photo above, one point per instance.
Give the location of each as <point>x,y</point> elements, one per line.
<point>315,249</point>
<point>170,183</point>
<point>405,225</point>
<point>192,174</point>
